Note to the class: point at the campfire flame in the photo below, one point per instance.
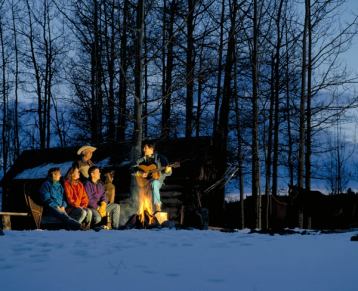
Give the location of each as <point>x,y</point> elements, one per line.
<point>145,206</point>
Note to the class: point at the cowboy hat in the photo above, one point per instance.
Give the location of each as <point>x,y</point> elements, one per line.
<point>85,148</point>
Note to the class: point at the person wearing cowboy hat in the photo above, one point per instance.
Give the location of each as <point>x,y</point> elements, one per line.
<point>85,162</point>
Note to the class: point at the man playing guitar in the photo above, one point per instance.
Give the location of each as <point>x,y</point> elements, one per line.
<point>153,168</point>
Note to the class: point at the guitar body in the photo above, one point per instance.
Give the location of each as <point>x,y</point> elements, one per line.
<point>153,173</point>
<point>151,170</point>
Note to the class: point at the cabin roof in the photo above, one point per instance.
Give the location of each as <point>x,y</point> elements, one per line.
<point>34,164</point>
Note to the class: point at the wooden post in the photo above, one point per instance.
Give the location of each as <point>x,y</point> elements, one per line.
<point>6,222</point>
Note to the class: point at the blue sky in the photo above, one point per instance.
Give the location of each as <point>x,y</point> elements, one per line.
<point>351,57</point>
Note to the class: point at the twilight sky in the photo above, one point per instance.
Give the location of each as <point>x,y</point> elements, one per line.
<point>351,57</point>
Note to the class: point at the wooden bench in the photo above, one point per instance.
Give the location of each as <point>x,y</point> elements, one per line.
<point>35,209</point>
<point>6,218</point>
<point>37,213</point>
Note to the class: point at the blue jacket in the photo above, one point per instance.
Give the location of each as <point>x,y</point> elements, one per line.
<point>51,194</point>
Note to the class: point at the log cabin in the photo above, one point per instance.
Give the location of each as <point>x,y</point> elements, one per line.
<point>181,193</point>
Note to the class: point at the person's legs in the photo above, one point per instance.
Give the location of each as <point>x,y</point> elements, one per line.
<point>88,217</point>
<point>156,185</point>
<point>78,214</point>
<point>96,217</point>
<point>65,218</point>
<point>114,211</point>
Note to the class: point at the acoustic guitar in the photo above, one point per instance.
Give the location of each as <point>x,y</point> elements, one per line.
<point>153,172</point>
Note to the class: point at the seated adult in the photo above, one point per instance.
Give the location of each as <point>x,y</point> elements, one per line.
<point>52,196</point>
<point>77,197</point>
<point>85,162</point>
<point>109,186</point>
<point>97,199</point>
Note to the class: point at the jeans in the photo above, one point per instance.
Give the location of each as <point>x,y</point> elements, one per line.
<point>78,213</point>
<point>156,185</point>
<point>65,218</point>
<point>114,211</point>
<point>96,217</point>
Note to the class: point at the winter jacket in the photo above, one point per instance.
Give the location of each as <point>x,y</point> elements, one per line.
<point>76,194</point>
<point>51,194</point>
<point>83,167</point>
<point>96,194</point>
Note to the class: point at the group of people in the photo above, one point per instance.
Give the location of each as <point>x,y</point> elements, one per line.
<point>83,201</point>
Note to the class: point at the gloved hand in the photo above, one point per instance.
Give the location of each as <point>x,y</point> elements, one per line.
<point>102,209</point>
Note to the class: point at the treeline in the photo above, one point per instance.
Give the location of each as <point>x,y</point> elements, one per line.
<point>263,78</point>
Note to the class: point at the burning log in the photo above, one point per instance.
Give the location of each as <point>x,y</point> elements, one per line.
<point>143,220</point>
<point>148,221</point>
<point>145,216</point>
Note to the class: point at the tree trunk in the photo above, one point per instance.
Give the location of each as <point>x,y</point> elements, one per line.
<point>122,117</point>
<point>220,52</point>
<point>269,144</point>
<point>59,128</point>
<point>111,57</point>
<point>138,127</point>
<point>302,129</point>
<point>16,89</point>
<point>164,124</point>
<point>97,77</point>
<point>221,136</point>
<point>239,146</point>
<point>145,103</point>
<point>288,117</point>
<point>40,109</point>
<point>48,71</point>
<point>277,99</point>
<point>168,69</point>
<point>190,65</point>
<point>200,91</point>
<point>255,143</point>
<point>5,121</point>
<point>309,96</point>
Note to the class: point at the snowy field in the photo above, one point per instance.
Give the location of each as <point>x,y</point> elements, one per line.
<point>176,260</point>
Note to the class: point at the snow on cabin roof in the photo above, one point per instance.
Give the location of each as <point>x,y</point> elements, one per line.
<point>41,171</point>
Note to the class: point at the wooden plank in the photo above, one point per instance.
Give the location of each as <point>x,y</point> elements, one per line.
<point>6,218</point>
<point>14,214</point>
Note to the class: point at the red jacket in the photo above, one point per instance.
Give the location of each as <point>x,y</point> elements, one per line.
<point>76,194</point>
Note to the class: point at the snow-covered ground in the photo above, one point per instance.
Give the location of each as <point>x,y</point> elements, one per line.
<point>176,260</point>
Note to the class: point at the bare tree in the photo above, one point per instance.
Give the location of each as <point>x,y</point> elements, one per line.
<point>168,50</point>
<point>220,53</point>
<point>190,65</point>
<point>16,84</point>
<point>122,116</point>
<point>138,127</point>
<point>255,143</point>
<point>4,93</point>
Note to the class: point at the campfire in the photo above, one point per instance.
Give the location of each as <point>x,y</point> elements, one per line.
<point>145,216</point>
<point>145,208</point>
